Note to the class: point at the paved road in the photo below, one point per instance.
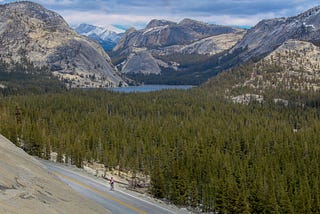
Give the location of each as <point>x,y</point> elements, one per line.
<point>115,201</point>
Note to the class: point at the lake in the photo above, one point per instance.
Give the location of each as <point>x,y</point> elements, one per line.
<point>149,88</point>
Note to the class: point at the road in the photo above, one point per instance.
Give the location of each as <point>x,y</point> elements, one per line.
<point>116,201</point>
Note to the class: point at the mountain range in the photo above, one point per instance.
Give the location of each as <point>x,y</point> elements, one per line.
<point>185,52</point>
<point>152,49</point>
<point>107,37</point>
<point>205,50</point>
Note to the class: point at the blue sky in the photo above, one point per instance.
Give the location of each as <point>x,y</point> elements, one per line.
<point>137,13</point>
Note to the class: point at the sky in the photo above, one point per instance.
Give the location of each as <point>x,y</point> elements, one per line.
<point>137,13</point>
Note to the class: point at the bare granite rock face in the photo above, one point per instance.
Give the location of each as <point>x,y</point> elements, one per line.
<point>162,33</point>
<point>269,34</point>
<point>141,62</point>
<point>207,46</point>
<point>27,187</point>
<point>166,38</point>
<point>29,32</point>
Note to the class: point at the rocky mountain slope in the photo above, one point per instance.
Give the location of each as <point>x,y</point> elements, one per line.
<point>207,46</point>
<point>295,65</point>
<point>27,187</point>
<point>162,33</point>
<point>107,37</point>
<point>166,38</point>
<point>260,41</point>
<point>31,33</point>
<point>292,68</point>
<point>142,62</point>
<point>267,35</point>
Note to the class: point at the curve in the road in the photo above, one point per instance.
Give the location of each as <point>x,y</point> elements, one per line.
<point>100,193</point>
<point>114,201</point>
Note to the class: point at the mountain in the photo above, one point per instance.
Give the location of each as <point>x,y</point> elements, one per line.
<point>31,33</point>
<point>288,74</point>
<point>107,37</point>
<point>27,187</point>
<point>284,55</point>
<point>258,42</point>
<point>162,33</point>
<point>203,51</point>
<point>269,34</point>
<point>164,47</point>
<point>141,62</point>
<point>207,46</point>
<point>295,65</point>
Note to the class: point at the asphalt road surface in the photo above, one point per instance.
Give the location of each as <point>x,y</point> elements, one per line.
<point>115,201</point>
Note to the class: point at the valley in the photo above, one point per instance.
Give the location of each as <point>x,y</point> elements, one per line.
<point>244,140</point>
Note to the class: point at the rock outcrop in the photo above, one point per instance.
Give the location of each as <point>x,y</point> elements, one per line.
<point>27,187</point>
<point>166,38</point>
<point>295,65</point>
<point>141,62</point>
<point>162,33</point>
<point>29,32</point>
<point>267,35</point>
<point>207,46</point>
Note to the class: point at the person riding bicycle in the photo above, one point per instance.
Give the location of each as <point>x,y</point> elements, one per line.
<point>111,183</point>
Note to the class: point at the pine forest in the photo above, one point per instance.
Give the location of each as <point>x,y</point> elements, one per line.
<point>200,149</point>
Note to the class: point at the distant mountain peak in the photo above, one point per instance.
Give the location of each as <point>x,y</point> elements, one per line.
<point>24,4</point>
<point>157,23</point>
<point>188,21</point>
<point>130,30</point>
<point>34,10</point>
<point>311,12</point>
<point>86,28</point>
<point>107,36</point>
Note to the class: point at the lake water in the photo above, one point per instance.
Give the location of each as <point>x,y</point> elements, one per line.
<point>149,88</point>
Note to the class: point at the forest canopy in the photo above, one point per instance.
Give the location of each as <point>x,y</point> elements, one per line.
<point>200,149</point>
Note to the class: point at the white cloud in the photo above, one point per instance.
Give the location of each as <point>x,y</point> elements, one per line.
<point>249,20</point>
<point>139,12</point>
<point>139,21</point>
<point>103,19</point>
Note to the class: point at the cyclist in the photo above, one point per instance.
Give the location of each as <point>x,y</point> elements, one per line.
<point>111,183</point>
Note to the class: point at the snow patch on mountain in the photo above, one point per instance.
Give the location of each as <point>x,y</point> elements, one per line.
<point>107,36</point>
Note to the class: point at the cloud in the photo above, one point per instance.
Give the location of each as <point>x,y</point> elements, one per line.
<point>231,12</point>
<point>102,19</point>
<point>138,12</point>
